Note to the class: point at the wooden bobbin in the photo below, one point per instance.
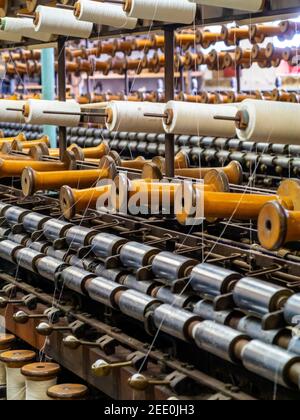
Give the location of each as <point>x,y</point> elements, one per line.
<point>3,8</point>
<point>43,373</point>
<point>40,371</point>
<point>68,392</point>
<point>6,341</point>
<point>17,358</point>
<point>277,226</point>
<point>73,201</point>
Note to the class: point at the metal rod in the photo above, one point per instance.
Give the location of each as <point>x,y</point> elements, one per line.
<point>238,78</point>
<point>126,82</point>
<point>48,88</point>
<point>24,15</point>
<point>64,6</point>
<point>153,115</point>
<point>14,109</point>
<point>169,96</point>
<point>226,118</point>
<point>61,46</point>
<point>80,114</point>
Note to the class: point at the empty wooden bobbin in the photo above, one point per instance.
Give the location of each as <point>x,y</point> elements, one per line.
<point>68,392</point>
<point>39,378</point>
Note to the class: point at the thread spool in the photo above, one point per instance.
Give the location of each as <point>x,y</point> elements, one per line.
<point>11,116</point>
<point>35,108</point>
<point>10,168</point>
<point>205,309</point>
<point>14,360</point>
<point>39,378</point>
<point>78,237</point>
<point>259,297</point>
<point>60,22</point>
<point>175,322</point>
<point>27,258</point>
<point>33,181</point>
<point>18,238</point>
<point>219,340</point>
<point>237,206</point>
<point>6,341</point>
<point>164,294</point>
<point>251,6</point>
<point>137,255</point>
<point>100,14</point>
<point>129,116</point>
<point>135,304</point>
<point>170,266</point>
<point>211,280</point>
<point>97,152</point>
<point>55,229</point>
<point>285,124</point>
<point>104,291</point>
<point>105,245</point>
<point>180,11</point>
<point>233,171</point>
<point>3,208</point>
<point>277,226</point>
<point>270,362</point>
<point>198,119</point>
<point>23,27</point>
<point>292,310</point>
<point>67,392</point>
<point>253,328</point>
<point>75,279</point>
<point>34,221</point>
<point>10,36</point>
<point>8,250</point>
<point>15,215</point>
<point>75,201</point>
<point>49,267</point>
<point>143,286</point>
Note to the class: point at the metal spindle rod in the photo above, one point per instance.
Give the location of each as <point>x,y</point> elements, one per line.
<point>61,46</point>
<point>169,96</point>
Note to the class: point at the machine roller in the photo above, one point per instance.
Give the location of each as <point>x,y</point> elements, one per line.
<point>207,279</point>
<point>259,296</point>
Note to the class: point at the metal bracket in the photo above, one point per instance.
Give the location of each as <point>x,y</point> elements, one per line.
<point>223,302</point>
<point>107,344</point>
<point>273,321</point>
<point>139,360</point>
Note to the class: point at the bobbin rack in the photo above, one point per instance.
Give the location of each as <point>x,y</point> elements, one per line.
<point>125,303</point>
<point>205,16</point>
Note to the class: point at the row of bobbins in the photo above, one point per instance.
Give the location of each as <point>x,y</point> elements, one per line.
<point>180,323</point>
<point>26,380</point>
<point>276,297</point>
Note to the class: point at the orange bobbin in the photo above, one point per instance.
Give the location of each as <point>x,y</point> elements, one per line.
<point>278,226</point>
<point>15,168</point>
<point>137,163</point>
<point>33,181</point>
<point>73,201</point>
